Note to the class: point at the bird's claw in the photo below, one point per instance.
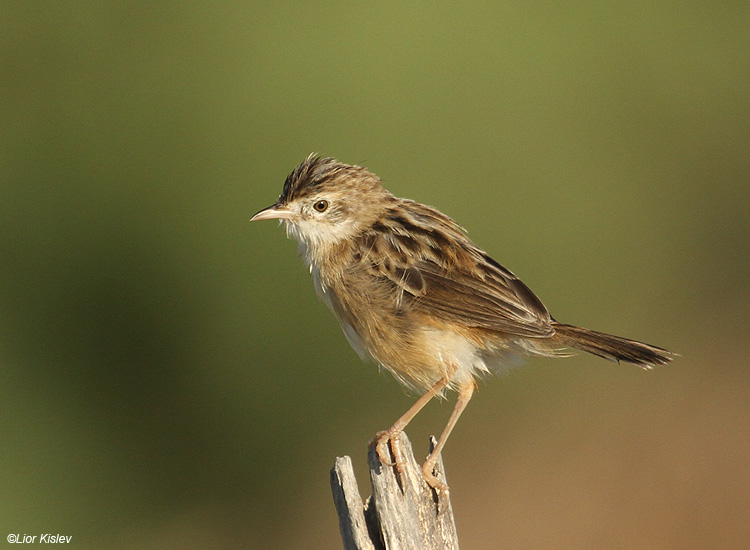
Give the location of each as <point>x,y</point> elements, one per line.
<point>431,478</point>
<point>388,444</point>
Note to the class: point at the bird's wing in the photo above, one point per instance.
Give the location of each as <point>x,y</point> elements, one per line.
<point>468,288</point>
<point>492,299</point>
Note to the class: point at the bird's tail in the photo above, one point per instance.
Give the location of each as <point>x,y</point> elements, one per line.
<point>611,347</point>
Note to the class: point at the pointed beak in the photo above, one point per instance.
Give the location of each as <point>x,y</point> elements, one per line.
<point>273,212</point>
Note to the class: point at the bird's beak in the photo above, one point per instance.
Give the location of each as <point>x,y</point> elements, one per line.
<point>273,212</point>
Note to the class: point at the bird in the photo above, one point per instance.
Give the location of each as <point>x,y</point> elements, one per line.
<point>415,295</point>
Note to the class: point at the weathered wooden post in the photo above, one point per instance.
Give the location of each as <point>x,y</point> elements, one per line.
<point>403,513</point>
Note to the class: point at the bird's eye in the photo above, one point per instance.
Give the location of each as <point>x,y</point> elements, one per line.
<point>321,206</point>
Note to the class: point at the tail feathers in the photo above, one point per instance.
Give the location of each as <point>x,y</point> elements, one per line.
<point>611,347</point>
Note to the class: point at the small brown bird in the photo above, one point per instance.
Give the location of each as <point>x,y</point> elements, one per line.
<point>414,294</point>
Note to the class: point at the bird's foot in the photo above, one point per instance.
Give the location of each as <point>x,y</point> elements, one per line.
<point>428,473</point>
<point>388,444</point>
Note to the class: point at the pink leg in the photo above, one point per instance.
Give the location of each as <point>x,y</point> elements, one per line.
<point>464,395</point>
<point>390,436</point>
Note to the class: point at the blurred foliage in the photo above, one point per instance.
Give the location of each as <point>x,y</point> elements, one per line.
<point>167,376</point>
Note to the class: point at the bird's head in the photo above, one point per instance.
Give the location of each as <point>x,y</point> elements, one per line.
<point>325,202</point>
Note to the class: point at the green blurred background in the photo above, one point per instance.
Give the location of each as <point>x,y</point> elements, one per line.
<point>168,378</point>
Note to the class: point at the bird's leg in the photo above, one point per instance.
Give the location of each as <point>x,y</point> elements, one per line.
<point>390,436</point>
<point>464,395</point>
